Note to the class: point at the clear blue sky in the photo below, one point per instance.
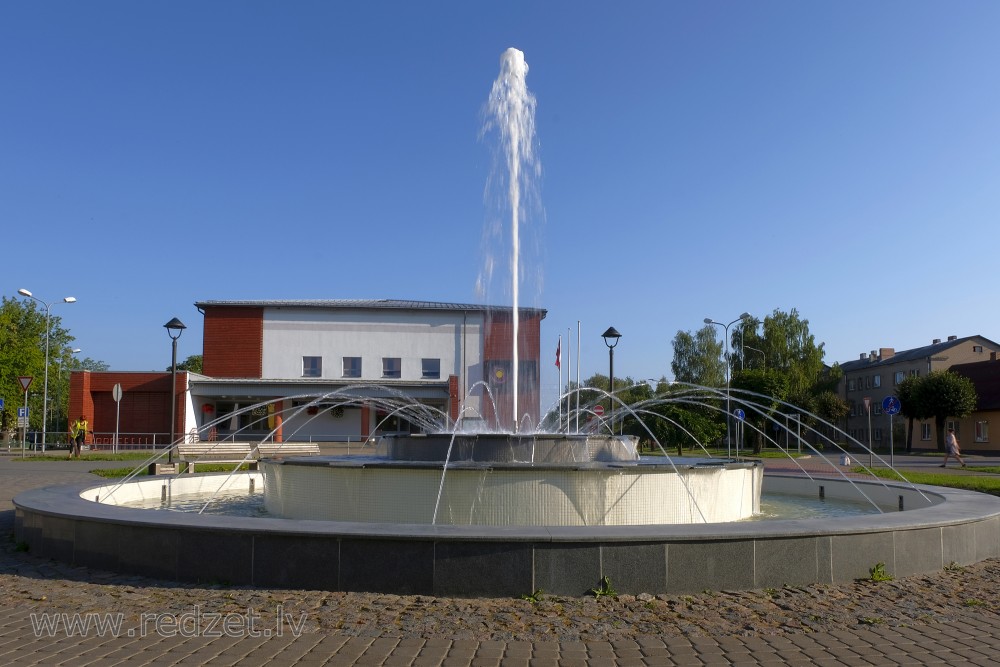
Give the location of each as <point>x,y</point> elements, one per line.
<point>699,159</point>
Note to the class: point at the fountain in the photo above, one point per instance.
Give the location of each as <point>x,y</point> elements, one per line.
<point>511,511</point>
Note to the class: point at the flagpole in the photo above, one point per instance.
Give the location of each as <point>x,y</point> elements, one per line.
<point>577,376</point>
<point>569,373</point>
<point>559,366</point>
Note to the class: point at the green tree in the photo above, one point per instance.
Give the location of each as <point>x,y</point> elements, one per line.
<point>945,394</point>
<point>22,353</point>
<point>772,388</point>
<point>698,358</point>
<point>790,349</point>
<point>192,364</point>
<point>911,406</point>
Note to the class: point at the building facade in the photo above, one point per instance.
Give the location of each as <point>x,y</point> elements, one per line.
<point>264,359</point>
<point>874,376</point>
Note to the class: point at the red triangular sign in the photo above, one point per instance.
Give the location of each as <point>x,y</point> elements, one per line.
<point>25,381</point>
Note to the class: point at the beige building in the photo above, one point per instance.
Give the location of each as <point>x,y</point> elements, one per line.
<point>874,376</point>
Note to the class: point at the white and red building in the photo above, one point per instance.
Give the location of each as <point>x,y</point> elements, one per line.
<point>278,353</point>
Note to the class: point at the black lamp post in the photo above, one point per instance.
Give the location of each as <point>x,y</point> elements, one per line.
<point>611,337</point>
<point>174,329</point>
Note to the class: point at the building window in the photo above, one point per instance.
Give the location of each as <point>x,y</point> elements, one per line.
<point>352,367</point>
<point>982,431</point>
<point>852,385</point>
<point>312,367</point>
<point>877,434</point>
<point>900,376</point>
<point>868,383</point>
<point>854,408</point>
<point>430,369</point>
<point>977,348</point>
<point>914,373</point>
<point>878,407</point>
<point>952,425</point>
<point>925,431</point>
<point>877,381</point>
<point>392,367</point>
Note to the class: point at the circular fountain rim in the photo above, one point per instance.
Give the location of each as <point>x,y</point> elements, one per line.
<point>58,522</point>
<point>952,506</point>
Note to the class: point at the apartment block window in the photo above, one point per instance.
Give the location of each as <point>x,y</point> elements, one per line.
<point>852,385</point>
<point>392,367</point>
<point>877,381</point>
<point>900,376</point>
<point>953,425</point>
<point>914,373</point>
<point>430,369</point>
<point>925,431</point>
<point>312,367</point>
<point>854,408</point>
<point>878,407</point>
<point>877,434</point>
<point>982,431</point>
<point>352,367</point>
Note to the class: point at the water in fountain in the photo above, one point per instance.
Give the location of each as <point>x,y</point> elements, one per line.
<point>511,114</point>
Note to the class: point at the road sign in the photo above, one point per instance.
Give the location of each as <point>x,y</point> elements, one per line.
<point>739,413</point>
<point>22,417</point>
<point>25,381</point>
<point>1,404</point>
<point>116,392</point>
<point>868,403</point>
<point>891,405</point>
<point>599,410</point>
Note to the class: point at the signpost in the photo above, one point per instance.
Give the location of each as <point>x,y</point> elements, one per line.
<point>868,409</point>
<point>740,415</point>
<point>891,406</point>
<point>25,381</point>
<point>116,393</point>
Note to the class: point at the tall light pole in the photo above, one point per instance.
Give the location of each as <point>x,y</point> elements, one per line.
<point>174,329</point>
<point>611,337</point>
<point>45,391</point>
<point>764,356</point>
<point>709,320</point>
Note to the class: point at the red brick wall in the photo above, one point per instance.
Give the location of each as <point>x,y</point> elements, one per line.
<point>497,347</point>
<point>144,408</point>
<point>233,342</point>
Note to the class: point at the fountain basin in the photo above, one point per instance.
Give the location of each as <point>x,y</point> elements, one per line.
<point>940,527</point>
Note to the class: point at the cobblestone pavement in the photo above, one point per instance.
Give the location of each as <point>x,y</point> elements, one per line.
<point>53,614</point>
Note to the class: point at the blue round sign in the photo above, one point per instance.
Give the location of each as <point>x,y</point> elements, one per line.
<point>891,405</point>
<point>739,414</point>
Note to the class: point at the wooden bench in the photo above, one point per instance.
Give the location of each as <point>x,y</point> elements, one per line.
<point>191,453</point>
<point>270,450</point>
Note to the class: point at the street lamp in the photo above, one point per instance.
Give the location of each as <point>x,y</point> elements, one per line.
<point>764,356</point>
<point>611,337</point>
<point>709,320</point>
<point>174,329</point>
<point>45,391</point>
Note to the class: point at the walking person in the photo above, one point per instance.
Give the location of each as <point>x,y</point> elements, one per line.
<point>951,448</point>
<point>79,436</point>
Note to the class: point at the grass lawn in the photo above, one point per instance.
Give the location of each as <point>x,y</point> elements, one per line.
<point>980,483</point>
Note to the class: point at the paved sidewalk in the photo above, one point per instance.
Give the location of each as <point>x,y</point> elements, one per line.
<point>974,640</point>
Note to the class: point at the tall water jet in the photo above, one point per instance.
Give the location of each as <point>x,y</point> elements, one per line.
<point>511,112</point>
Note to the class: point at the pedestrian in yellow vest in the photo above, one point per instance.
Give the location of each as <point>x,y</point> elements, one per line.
<point>78,436</point>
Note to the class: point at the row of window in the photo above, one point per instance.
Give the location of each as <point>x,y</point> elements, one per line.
<point>875,381</point>
<point>982,430</point>
<point>392,367</point>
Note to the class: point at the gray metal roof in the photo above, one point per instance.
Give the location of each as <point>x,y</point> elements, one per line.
<point>916,354</point>
<point>363,304</point>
